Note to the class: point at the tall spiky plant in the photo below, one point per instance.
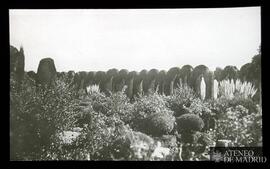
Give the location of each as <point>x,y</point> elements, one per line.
<point>92,89</point>
<point>230,89</point>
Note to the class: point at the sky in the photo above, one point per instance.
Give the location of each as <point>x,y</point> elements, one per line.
<point>136,39</point>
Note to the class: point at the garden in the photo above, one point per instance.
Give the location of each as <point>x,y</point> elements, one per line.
<point>60,122</point>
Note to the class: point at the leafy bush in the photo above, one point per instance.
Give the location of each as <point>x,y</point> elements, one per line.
<point>96,136</point>
<point>150,104</point>
<point>196,146</point>
<point>137,145</point>
<point>96,98</point>
<point>126,145</point>
<point>116,104</point>
<point>36,114</point>
<point>220,105</point>
<point>242,128</point>
<point>198,107</point>
<point>182,97</point>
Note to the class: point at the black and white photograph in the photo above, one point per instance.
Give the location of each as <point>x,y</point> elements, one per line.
<point>159,84</point>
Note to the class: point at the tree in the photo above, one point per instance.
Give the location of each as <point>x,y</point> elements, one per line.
<point>230,72</point>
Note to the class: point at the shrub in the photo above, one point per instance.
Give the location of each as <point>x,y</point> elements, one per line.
<point>138,145</point>
<point>159,124</point>
<point>242,128</point>
<point>98,100</point>
<point>183,96</point>
<point>150,104</point>
<point>189,123</point>
<point>145,109</point>
<point>119,105</point>
<point>95,137</point>
<point>196,146</point>
<point>127,145</point>
<point>199,108</point>
<point>221,104</point>
<point>36,114</point>
<point>116,104</point>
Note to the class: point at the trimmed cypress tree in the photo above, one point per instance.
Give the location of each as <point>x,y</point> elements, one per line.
<point>144,76</point>
<point>186,74</point>
<point>121,79</point>
<point>113,73</point>
<point>100,79</point>
<point>210,85</point>
<point>46,72</point>
<point>199,72</point>
<point>161,81</point>
<point>172,80</point>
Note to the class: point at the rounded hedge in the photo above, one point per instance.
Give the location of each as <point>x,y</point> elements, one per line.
<point>188,123</point>
<point>159,124</point>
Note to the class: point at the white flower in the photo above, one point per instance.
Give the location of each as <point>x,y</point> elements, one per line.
<point>160,152</point>
<point>67,137</point>
<point>92,88</point>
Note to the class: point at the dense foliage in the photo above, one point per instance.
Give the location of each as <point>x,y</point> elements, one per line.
<point>56,123</point>
<point>37,113</point>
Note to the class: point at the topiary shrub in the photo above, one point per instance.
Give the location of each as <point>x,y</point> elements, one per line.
<point>17,63</point>
<point>159,124</point>
<point>188,126</point>
<point>189,123</point>
<point>46,72</point>
<point>230,72</point>
<point>100,78</point>
<point>151,110</point>
<point>186,74</point>
<point>113,73</point>
<point>172,80</point>
<point>152,80</point>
